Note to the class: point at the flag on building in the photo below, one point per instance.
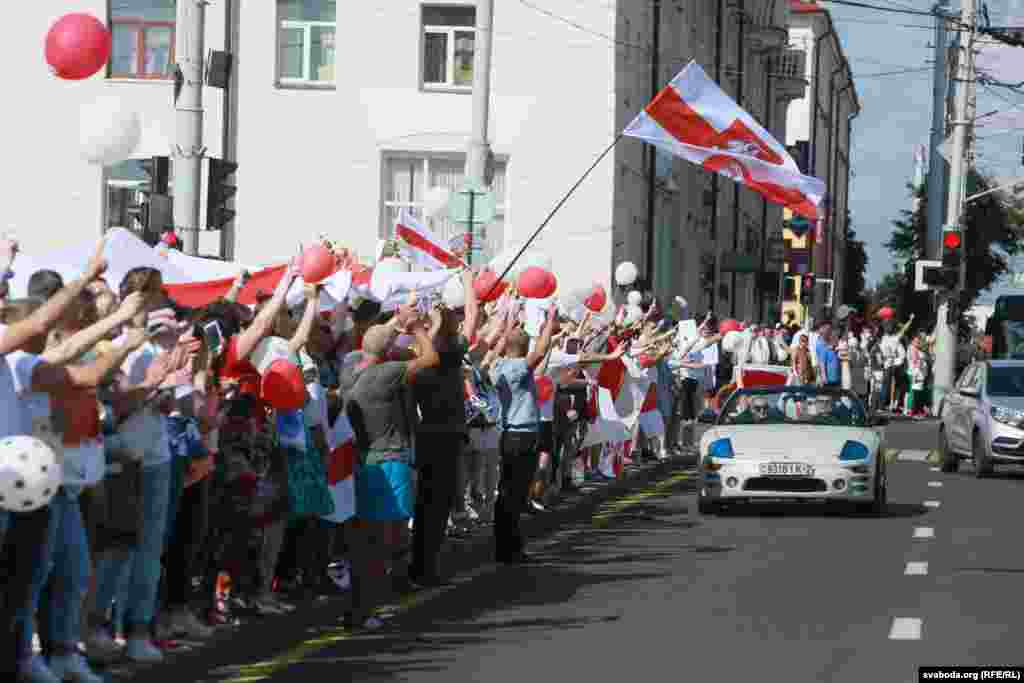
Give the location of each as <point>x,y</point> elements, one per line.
<point>341,470</point>
<point>694,119</point>
<point>425,249</point>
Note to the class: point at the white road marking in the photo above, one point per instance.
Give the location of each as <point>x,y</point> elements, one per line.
<point>935,484</point>
<point>916,569</point>
<point>932,503</point>
<point>934,469</point>
<point>914,456</point>
<point>905,628</point>
<point>924,532</point>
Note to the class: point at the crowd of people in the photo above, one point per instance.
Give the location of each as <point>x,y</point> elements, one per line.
<point>188,499</point>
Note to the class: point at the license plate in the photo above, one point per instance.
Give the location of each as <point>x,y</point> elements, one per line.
<point>787,469</point>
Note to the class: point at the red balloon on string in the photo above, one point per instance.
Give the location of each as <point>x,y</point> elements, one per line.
<point>77,46</point>
<point>318,264</point>
<point>597,300</point>
<point>488,287</point>
<point>545,389</point>
<point>534,283</point>
<point>727,326</point>
<point>283,386</point>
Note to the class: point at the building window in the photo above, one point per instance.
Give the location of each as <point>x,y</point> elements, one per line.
<point>449,35</point>
<point>128,186</point>
<point>305,41</point>
<point>407,179</point>
<point>143,39</point>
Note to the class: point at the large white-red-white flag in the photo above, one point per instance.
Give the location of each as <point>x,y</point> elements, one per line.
<point>428,251</point>
<point>694,119</point>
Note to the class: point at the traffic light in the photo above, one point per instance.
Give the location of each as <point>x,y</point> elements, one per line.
<point>219,193</point>
<point>807,289</point>
<point>156,211</point>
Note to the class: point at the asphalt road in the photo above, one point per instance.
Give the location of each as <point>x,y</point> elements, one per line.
<point>645,589</point>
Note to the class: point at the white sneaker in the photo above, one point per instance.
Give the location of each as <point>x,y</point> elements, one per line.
<point>73,668</point>
<point>36,671</point>
<point>184,623</point>
<point>141,651</point>
<point>102,647</point>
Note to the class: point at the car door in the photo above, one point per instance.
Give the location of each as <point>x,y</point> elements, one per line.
<point>970,403</point>
<point>953,411</point>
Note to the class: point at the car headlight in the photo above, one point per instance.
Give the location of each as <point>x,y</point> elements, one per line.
<point>1013,418</point>
<point>854,450</point>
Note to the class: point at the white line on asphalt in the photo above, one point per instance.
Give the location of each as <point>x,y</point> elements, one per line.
<point>916,569</point>
<point>914,456</point>
<point>935,484</point>
<point>934,469</point>
<point>924,532</point>
<point>932,503</point>
<point>905,628</point>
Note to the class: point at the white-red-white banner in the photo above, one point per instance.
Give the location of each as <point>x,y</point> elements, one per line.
<point>424,247</point>
<point>694,119</point>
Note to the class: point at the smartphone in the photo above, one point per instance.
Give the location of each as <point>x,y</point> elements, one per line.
<point>213,337</point>
<point>572,346</point>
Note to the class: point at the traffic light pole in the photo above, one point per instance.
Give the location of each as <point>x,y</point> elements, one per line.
<point>937,164</point>
<point>946,334</point>
<point>479,148</point>
<point>188,149</point>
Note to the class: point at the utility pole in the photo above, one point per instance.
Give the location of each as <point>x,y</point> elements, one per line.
<point>188,150</point>
<point>936,163</point>
<point>946,338</point>
<point>479,152</point>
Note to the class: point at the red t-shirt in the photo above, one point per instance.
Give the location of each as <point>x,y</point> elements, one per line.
<point>650,400</point>
<point>240,369</point>
<point>81,417</point>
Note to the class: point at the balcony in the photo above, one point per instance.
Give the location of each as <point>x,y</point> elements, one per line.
<point>788,70</point>
<point>767,24</point>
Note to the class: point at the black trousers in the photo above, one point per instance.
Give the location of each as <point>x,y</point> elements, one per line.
<point>190,528</point>
<point>518,465</point>
<point>437,456</point>
<point>27,531</point>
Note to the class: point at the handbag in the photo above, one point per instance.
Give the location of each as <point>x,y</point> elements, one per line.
<point>116,503</point>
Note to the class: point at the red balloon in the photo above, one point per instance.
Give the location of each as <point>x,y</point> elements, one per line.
<point>545,389</point>
<point>886,313</point>
<point>551,285</point>
<point>534,283</point>
<point>727,326</point>
<point>318,264</point>
<point>597,300</point>
<point>77,46</point>
<point>283,386</point>
<point>488,287</point>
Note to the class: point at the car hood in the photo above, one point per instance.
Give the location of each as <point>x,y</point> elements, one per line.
<point>1008,402</point>
<point>799,443</point>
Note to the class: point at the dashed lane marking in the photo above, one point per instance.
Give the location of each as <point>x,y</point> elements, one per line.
<point>905,628</point>
<point>916,569</point>
<point>914,456</point>
<point>934,469</point>
<point>932,503</point>
<point>935,484</point>
<point>924,532</point>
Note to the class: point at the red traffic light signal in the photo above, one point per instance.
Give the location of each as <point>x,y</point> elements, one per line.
<point>951,239</point>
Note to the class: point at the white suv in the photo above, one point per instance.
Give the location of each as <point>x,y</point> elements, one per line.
<point>982,418</point>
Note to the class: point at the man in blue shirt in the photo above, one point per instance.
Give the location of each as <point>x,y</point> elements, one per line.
<point>513,377</point>
<point>828,359</point>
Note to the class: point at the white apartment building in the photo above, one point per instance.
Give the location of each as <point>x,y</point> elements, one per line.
<point>339,120</point>
<point>819,126</point>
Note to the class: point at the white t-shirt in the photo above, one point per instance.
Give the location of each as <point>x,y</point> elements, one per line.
<point>145,431</point>
<point>315,412</point>
<point>557,360</point>
<point>29,411</point>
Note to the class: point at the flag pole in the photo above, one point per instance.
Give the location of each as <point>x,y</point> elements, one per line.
<point>553,212</point>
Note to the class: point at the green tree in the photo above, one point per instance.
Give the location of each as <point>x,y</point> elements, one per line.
<point>987,223</point>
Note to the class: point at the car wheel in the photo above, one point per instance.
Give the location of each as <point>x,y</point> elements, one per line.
<point>982,463</point>
<point>877,506</point>
<point>950,460</point>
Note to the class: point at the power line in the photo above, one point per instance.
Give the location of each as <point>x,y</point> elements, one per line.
<point>880,8</point>
<point>894,73</point>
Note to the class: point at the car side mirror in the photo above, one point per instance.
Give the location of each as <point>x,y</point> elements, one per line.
<point>879,421</point>
<point>707,417</point>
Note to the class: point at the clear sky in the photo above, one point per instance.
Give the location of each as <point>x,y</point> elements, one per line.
<point>897,109</point>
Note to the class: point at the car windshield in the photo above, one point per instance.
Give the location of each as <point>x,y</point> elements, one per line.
<point>794,406</point>
<point>1006,381</point>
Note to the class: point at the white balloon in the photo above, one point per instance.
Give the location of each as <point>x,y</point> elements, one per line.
<point>30,474</point>
<point>634,298</point>
<point>391,265</point>
<point>626,274</point>
<point>436,203</point>
<point>108,132</point>
<point>454,294</point>
<point>634,314</point>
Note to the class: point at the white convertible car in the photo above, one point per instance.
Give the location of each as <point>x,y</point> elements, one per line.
<point>792,443</point>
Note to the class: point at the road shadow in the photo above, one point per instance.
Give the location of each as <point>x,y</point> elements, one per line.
<point>821,510</point>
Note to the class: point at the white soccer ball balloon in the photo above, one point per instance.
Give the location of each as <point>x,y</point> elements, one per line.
<point>108,132</point>
<point>626,274</point>
<point>29,474</point>
<point>634,298</point>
